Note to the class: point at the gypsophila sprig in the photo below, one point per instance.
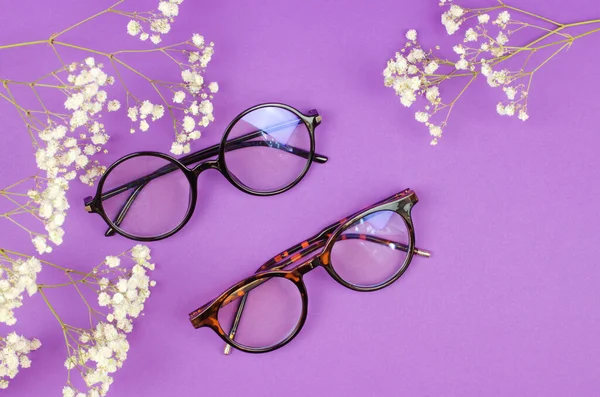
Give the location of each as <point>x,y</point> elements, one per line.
<point>14,355</point>
<point>485,49</point>
<point>66,129</point>
<point>17,277</point>
<point>114,293</point>
<point>188,101</point>
<point>99,351</point>
<point>66,138</point>
<point>38,201</point>
<point>153,24</point>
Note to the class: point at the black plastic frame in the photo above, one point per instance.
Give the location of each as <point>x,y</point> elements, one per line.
<point>94,204</point>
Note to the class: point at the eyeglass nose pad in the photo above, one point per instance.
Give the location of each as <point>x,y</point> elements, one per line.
<point>207,165</point>
<point>308,265</point>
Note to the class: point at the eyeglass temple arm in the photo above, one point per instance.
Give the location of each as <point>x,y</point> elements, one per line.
<point>124,209</point>
<point>305,248</point>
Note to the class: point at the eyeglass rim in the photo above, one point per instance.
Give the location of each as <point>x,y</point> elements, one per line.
<point>289,275</point>
<point>193,185</point>
<point>308,121</point>
<point>328,248</point>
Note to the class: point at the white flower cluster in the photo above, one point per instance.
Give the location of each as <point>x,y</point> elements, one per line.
<point>415,73</point>
<point>193,96</point>
<point>102,350</point>
<point>453,18</point>
<point>157,23</point>
<point>143,112</point>
<point>68,149</point>
<point>16,277</point>
<point>101,353</point>
<point>65,152</point>
<point>14,350</point>
<point>53,204</point>
<point>125,297</point>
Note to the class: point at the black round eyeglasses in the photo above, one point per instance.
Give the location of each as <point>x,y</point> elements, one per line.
<point>149,196</point>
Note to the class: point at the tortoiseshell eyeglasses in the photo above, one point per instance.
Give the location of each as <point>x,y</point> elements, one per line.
<point>265,150</point>
<point>366,251</point>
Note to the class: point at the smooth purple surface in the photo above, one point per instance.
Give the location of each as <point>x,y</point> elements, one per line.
<point>508,303</point>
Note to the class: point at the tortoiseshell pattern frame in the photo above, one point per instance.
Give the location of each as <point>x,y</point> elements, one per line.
<point>207,315</point>
<point>94,204</point>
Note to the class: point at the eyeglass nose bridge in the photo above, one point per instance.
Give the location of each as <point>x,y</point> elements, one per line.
<point>207,165</point>
<point>309,265</point>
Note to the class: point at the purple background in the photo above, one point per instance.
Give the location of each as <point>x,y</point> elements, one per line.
<point>507,305</point>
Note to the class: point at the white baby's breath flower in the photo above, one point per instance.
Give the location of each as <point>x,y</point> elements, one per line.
<point>140,253</point>
<point>168,9</point>
<point>459,49</point>
<point>160,25</point>
<point>113,105</point>
<point>502,38</point>
<point>194,135</point>
<point>178,97</point>
<point>132,113</point>
<point>486,69</point>
<point>421,117</point>
<point>451,19</point>
<point>462,64</point>
<point>432,94</point>
<point>431,67</point>
<point>144,126</point>
<point>101,96</point>
<point>188,124</point>
<point>158,111</point>
<point>213,87</point>
<point>510,109</point>
<point>503,18</point>
<point>483,18</point>
<point>456,11</point>
<point>68,391</point>
<point>113,261</point>
<point>500,109</point>
<point>134,28</point>
<point>177,148</point>
<point>415,55</point>
<point>206,107</point>
<point>471,35</point>
<point>523,115</point>
<point>146,108</point>
<point>510,92</point>
<point>435,130</point>
<point>411,35</point>
<point>198,40</point>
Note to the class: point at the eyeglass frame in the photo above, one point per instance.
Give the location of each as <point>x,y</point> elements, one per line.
<point>207,314</point>
<point>93,204</point>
